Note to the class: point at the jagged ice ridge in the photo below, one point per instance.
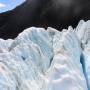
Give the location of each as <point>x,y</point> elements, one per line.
<point>39,59</point>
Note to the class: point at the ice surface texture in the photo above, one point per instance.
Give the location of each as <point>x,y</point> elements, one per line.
<point>39,59</point>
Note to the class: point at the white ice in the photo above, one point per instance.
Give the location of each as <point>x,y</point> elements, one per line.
<point>39,59</point>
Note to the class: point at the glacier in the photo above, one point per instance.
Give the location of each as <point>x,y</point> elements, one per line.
<point>40,59</point>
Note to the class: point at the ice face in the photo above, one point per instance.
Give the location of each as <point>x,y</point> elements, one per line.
<point>84,37</point>
<point>66,71</point>
<point>39,59</point>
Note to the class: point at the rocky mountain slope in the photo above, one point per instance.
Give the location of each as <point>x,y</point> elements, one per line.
<point>43,13</point>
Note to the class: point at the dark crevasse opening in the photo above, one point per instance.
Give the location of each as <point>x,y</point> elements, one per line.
<point>82,61</point>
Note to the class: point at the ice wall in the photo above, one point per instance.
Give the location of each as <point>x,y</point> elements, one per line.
<point>39,59</point>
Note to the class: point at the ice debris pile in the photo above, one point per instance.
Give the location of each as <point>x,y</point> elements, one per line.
<point>39,59</point>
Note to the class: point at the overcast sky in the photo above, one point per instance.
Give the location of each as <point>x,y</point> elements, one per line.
<point>6,5</point>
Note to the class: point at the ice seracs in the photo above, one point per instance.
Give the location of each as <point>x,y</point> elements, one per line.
<point>66,72</point>
<point>39,59</point>
<point>84,37</point>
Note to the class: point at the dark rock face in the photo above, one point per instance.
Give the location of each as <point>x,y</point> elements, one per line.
<point>43,13</point>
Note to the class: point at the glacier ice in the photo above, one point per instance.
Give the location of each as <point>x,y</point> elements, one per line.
<point>39,59</point>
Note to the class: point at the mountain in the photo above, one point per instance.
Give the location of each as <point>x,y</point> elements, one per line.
<point>43,13</point>
<point>39,59</point>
